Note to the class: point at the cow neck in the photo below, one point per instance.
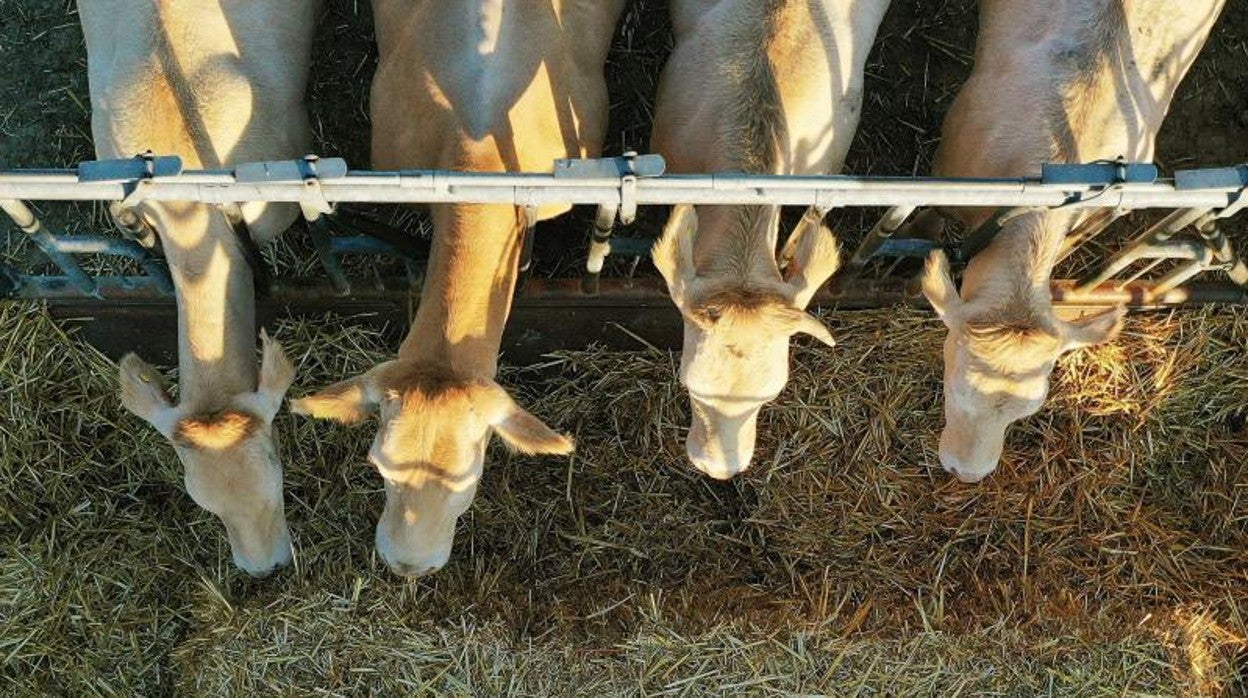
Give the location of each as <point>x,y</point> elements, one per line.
<point>468,289</point>
<point>1016,267</point>
<point>216,306</point>
<point>736,242</point>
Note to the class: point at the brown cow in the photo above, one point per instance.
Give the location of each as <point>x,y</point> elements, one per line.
<point>216,82</point>
<point>488,86</point>
<point>1072,81</point>
<point>765,87</point>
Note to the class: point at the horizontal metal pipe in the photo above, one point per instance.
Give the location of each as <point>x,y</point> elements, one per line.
<point>358,244</point>
<point>108,289</point>
<point>536,189</point>
<point>648,292</point>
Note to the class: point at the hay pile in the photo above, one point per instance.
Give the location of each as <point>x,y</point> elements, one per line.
<point>1109,554</point>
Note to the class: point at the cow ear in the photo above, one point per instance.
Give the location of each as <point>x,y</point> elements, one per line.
<point>939,288</point>
<point>528,434</point>
<point>518,428</point>
<point>810,257</point>
<point>1094,329</point>
<point>673,252</point>
<point>143,393</point>
<point>802,322</point>
<point>276,375</point>
<point>346,402</point>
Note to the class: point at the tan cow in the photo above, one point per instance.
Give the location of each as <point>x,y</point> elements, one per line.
<point>1071,81</point>
<point>215,82</point>
<point>767,87</point>
<point>481,85</point>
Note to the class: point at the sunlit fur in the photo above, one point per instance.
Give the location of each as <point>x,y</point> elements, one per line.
<point>1073,81</point>
<point>481,86</point>
<point>214,82</point>
<point>770,87</point>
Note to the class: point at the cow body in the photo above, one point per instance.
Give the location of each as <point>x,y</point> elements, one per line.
<point>771,87</point>
<point>483,86</point>
<point>215,82</point>
<point>1081,81</point>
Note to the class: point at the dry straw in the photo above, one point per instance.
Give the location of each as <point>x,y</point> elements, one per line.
<point>1109,553</point>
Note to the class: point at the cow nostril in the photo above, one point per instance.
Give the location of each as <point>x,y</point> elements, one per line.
<point>721,474</point>
<point>262,573</point>
<point>965,478</point>
<point>405,570</point>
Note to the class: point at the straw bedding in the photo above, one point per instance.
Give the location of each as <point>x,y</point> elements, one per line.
<point>1108,556</point>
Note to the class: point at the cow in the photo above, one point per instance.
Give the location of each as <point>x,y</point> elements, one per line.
<point>1069,82</point>
<point>484,86</point>
<point>215,82</point>
<point>763,87</point>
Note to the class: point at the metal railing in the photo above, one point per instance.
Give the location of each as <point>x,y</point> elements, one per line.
<point>1200,199</point>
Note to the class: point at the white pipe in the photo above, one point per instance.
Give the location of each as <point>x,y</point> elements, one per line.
<point>537,189</point>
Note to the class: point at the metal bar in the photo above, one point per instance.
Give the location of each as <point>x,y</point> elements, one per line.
<point>376,237</point>
<point>1156,260</point>
<point>218,187</point>
<point>1179,274</point>
<point>883,229</point>
<point>38,287</point>
<point>1158,252</point>
<point>323,243</point>
<point>1154,237</point>
<point>1089,230</point>
<point>359,244</point>
<point>1140,295</point>
<point>599,246</point>
<point>91,244</point>
<point>651,292</point>
<point>1224,252</point>
<point>128,249</point>
<point>400,243</point>
<point>631,247</point>
<point>48,244</point>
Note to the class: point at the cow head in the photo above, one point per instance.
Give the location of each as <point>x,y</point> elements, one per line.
<point>230,456</point>
<point>429,449</point>
<point>997,367</point>
<point>736,335</point>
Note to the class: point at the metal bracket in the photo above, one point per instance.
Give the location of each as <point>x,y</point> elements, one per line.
<point>308,167</point>
<point>135,173</point>
<point>1218,178</point>
<point>627,168</point>
<point>629,163</point>
<point>1105,173</point>
<point>1212,178</point>
<point>144,166</point>
<point>310,170</point>
<point>1239,204</point>
<point>628,199</point>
